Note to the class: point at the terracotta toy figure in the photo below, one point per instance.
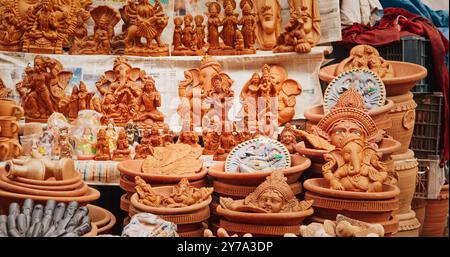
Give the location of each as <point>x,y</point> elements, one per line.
<point>43,89</point>
<point>4,90</point>
<point>248,22</point>
<point>64,144</point>
<point>189,138</point>
<point>227,143</point>
<point>122,152</point>
<point>48,24</point>
<point>268,26</point>
<point>287,138</point>
<point>105,19</point>
<point>144,148</point>
<point>111,136</point>
<point>214,22</point>
<point>168,136</point>
<point>200,31</point>
<point>155,138</point>
<point>272,196</point>
<point>132,133</point>
<point>366,57</point>
<point>302,32</point>
<point>82,99</point>
<point>150,101</point>
<point>211,142</point>
<point>185,40</point>
<point>177,33</point>
<point>11,31</point>
<point>144,20</point>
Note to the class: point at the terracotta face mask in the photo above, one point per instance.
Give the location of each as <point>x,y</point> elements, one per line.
<point>271,201</point>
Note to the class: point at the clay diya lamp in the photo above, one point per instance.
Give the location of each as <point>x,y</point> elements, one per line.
<point>188,219</point>
<point>406,76</point>
<point>380,115</point>
<point>370,207</point>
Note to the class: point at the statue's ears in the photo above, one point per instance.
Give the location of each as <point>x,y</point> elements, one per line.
<point>134,74</point>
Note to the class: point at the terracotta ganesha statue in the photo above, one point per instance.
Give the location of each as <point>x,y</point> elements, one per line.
<point>302,31</point>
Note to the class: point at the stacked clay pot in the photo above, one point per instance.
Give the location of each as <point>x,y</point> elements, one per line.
<point>238,185</point>
<point>189,219</point>
<point>10,114</point>
<point>103,219</point>
<point>397,90</point>
<point>436,212</point>
<point>419,205</point>
<point>379,207</point>
<point>17,189</point>
<point>132,168</point>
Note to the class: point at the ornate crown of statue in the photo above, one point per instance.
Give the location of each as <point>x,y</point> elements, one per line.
<point>276,182</point>
<point>208,61</point>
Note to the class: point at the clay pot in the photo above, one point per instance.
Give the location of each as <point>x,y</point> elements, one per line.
<point>9,149</point>
<point>406,77</point>
<point>298,165</point>
<point>368,207</point>
<point>406,167</point>
<point>240,192</point>
<point>133,168</point>
<point>102,218</point>
<point>408,225</point>
<point>10,127</point>
<point>418,206</point>
<point>379,115</point>
<point>436,213</point>
<point>9,107</point>
<point>124,203</point>
<point>403,119</point>
<point>29,168</point>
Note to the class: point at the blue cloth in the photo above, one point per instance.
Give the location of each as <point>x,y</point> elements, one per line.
<point>438,18</point>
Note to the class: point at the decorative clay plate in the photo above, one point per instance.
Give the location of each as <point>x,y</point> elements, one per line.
<point>258,155</point>
<point>366,82</point>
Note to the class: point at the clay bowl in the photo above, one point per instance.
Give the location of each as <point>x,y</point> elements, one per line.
<point>50,193</point>
<point>124,203</point>
<point>9,197</point>
<point>93,232</point>
<point>380,115</point>
<point>279,219</point>
<point>238,191</point>
<point>298,165</point>
<point>102,218</point>
<point>406,76</point>
<point>127,184</point>
<point>68,187</point>
<point>166,191</point>
<point>133,168</point>
<point>257,230</point>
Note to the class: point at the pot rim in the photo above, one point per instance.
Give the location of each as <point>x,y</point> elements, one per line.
<point>48,193</point>
<point>316,185</point>
<point>91,195</point>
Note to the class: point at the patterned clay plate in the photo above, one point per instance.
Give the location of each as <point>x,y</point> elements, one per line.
<point>366,82</point>
<point>258,155</point>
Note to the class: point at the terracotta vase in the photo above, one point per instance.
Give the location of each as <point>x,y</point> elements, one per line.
<point>436,213</point>
<point>368,207</point>
<point>10,127</point>
<point>379,115</point>
<point>406,167</point>
<point>408,225</point>
<point>298,165</point>
<point>418,206</point>
<point>9,107</point>
<point>403,119</point>
<point>405,78</point>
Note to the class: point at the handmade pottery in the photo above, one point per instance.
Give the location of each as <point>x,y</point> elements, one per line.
<point>268,25</point>
<point>9,149</point>
<point>11,40</point>
<point>406,77</point>
<point>103,152</point>
<point>9,127</point>
<point>436,212</point>
<point>302,31</point>
<point>188,40</point>
<point>102,218</point>
<point>403,117</point>
<point>143,20</point>
<point>122,152</point>
<point>240,192</point>
<point>80,100</point>
<point>418,205</point>
<point>9,107</point>
<point>293,173</point>
<point>406,167</point>
<point>408,225</point>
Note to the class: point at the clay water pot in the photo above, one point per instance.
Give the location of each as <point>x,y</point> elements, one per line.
<point>298,165</point>
<point>9,107</point>
<point>373,207</point>
<point>28,168</point>
<point>408,225</point>
<point>406,167</point>
<point>10,127</point>
<point>403,117</point>
<point>418,206</point>
<point>133,168</point>
<point>379,115</point>
<point>406,77</point>
<point>436,213</point>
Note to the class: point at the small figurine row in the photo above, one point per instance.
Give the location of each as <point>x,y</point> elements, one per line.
<point>50,27</point>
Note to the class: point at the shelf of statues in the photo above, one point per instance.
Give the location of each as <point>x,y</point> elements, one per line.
<point>52,27</point>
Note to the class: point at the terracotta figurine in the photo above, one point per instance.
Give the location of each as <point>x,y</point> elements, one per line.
<point>111,136</point>
<point>366,57</point>
<point>211,142</point>
<point>272,196</point>
<point>177,33</point>
<point>64,144</point>
<point>302,31</point>
<point>185,39</point>
<point>200,31</point>
<point>168,136</point>
<point>227,143</point>
<point>4,90</point>
<point>122,151</point>
<point>85,146</point>
<point>144,148</point>
<point>11,29</point>
<point>132,133</point>
<point>144,20</point>
<point>155,138</point>
<point>248,22</point>
<point>189,138</point>
<point>287,138</point>
<point>150,100</point>
<point>214,22</point>
<point>268,26</point>
<point>82,99</point>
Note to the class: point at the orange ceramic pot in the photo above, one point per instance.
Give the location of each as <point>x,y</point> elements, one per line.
<point>408,225</point>
<point>9,107</point>
<point>403,117</point>
<point>125,203</point>
<point>379,115</point>
<point>293,173</point>
<point>406,77</point>
<point>419,206</point>
<point>406,167</point>
<point>373,207</point>
<point>102,218</point>
<point>436,213</point>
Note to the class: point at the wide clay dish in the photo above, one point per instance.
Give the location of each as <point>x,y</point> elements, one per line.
<point>166,191</point>
<point>68,187</point>
<point>286,218</point>
<point>133,168</point>
<point>298,165</point>
<point>50,182</point>
<point>102,218</point>
<point>82,190</point>
<point>322,186</point>
<point>128,185</point>
<point>406,76</point>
